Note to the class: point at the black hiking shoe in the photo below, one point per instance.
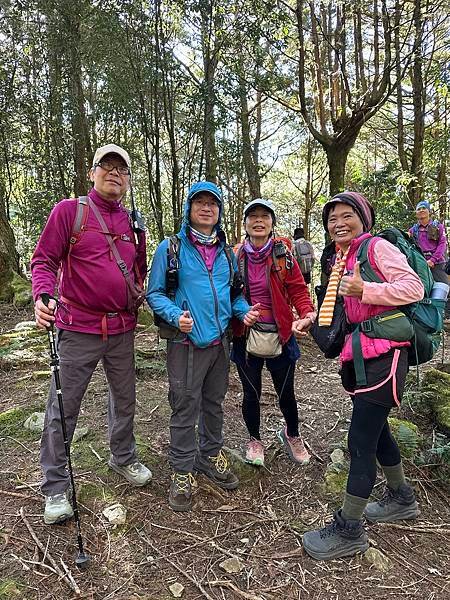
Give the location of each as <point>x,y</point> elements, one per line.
<point>216,469</point>
<point>180,492</point>
<point>341,537</point>
<point>394,505</point>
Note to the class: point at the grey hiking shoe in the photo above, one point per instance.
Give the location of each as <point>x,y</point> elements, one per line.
<point>57,508</point>
<point>339,538</point>
<point>137,474</point>
<point>394,505</point>
<point>216,469</point>
<point>180,493</point>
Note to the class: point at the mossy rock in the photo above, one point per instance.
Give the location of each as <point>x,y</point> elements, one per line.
<point>244,471</point>
<point>22,294</point>
<point>9,589</point>
<point>406,435</point>
<point>436,392</point>
<point>336,483</point>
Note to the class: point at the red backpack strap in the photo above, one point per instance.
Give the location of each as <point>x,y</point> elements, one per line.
<point>79,226</point>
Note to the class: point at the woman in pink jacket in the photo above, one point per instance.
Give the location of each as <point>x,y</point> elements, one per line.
<point>348,217</point>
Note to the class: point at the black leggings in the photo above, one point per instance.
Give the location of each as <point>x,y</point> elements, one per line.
<point>283,381</point>
<point>369,439</point>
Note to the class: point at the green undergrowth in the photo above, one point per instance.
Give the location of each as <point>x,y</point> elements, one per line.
<point>10,588</point>
<point>89,491</point>
<point>12,420</point>
<point>84,458</point>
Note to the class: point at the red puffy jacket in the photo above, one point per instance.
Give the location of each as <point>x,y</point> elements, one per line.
<point>287,289</point>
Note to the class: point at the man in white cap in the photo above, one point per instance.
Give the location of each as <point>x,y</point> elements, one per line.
<point>87,238</point>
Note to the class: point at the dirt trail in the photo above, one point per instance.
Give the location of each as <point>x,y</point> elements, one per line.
<point>260,523</point>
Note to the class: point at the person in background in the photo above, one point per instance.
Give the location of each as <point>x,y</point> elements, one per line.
<point>198,355</point>
<point>92,319</point>
<point>430,236</point>
<point>274,281</point>
<point>349,217</point>
<point>304,253</point>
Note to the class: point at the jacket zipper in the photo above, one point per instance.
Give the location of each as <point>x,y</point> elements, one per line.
<point>213,289</point>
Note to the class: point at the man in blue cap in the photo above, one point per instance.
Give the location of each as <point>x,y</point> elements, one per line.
<point>199,269</point>
<point>429,235</point>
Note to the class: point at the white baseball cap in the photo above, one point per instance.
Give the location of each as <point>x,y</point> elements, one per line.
<point>111,149</point>
<point>259,202</point>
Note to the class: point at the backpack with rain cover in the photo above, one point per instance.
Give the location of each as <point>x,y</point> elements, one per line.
<point>425,316</point>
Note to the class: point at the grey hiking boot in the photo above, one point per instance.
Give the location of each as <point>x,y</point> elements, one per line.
<point>180,492</point>
<point>394,505</point>
<point>341,537</point>
<point>57,508</point>
<point>137,474</point>
<point>216,469</point>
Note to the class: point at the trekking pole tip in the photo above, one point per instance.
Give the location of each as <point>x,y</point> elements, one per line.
<point>82,561</point>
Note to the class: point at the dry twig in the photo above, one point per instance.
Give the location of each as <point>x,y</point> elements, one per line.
<point>69,580</point>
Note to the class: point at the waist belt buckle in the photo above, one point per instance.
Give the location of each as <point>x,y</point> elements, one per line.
<point>111,314</point>
<point>366,326</point>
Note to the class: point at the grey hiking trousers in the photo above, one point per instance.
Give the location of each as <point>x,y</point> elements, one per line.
<point>79,355</point>
<point>198,381</point>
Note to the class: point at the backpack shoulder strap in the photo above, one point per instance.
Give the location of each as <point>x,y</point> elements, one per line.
<point>228,253</point>
<point>173,252</point>
<point>81,216</point>
<point>79,225</point>
<point>362,256</point>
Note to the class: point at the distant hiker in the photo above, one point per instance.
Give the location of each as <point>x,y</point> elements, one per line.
<point>304,253</point>
<point>94,318</point>
<point>349,217</point>
<point>272,279</point>
<point>193,292</point>
<point>430,236</point>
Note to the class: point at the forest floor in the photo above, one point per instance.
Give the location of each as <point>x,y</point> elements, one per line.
<point>260,523</point>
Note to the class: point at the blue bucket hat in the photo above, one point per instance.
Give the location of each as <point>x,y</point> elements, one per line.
<point>423,204</point>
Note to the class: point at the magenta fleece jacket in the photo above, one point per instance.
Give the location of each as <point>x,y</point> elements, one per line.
<point>95,281</point>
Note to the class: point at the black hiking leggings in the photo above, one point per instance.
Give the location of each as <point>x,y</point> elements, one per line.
<point>283,381</point>
<point>369,440</point>
<point>369,437</point>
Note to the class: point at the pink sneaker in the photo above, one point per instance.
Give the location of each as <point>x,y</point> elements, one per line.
<point>295,447</point>
<point>254,453</point>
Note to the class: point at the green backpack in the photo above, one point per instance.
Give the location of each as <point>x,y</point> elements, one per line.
<point>420,322</point>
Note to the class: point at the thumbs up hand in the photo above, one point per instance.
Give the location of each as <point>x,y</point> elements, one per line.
<point>186,322</point>
<point>352,285</point>
<point>252,316</point>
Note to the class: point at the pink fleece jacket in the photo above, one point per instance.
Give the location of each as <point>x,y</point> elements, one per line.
<point>402,286</point>
<point>95,281</point>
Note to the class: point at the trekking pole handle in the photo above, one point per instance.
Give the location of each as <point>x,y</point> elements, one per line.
<point>46,299</point>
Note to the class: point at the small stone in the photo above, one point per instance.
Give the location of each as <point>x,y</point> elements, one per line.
<point>80,432</point>
<point>116,514</point>
<point>231,565</point>
<point>176,589</point>
<point>35,422</point>
<point>337,456</point>
<point>244,540</point>
<point>378,560</point>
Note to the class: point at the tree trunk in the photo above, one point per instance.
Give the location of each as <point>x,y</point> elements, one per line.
<point>337,155</point>
<point>250,164</point>
<point>9,259</point>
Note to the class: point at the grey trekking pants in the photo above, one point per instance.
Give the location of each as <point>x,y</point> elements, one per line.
<point>79,355</point>
<point>198,381</point>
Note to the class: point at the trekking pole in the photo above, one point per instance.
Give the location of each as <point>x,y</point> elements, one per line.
<point>82,560</point>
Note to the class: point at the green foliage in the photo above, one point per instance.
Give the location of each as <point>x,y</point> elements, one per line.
<point>406,435</point>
